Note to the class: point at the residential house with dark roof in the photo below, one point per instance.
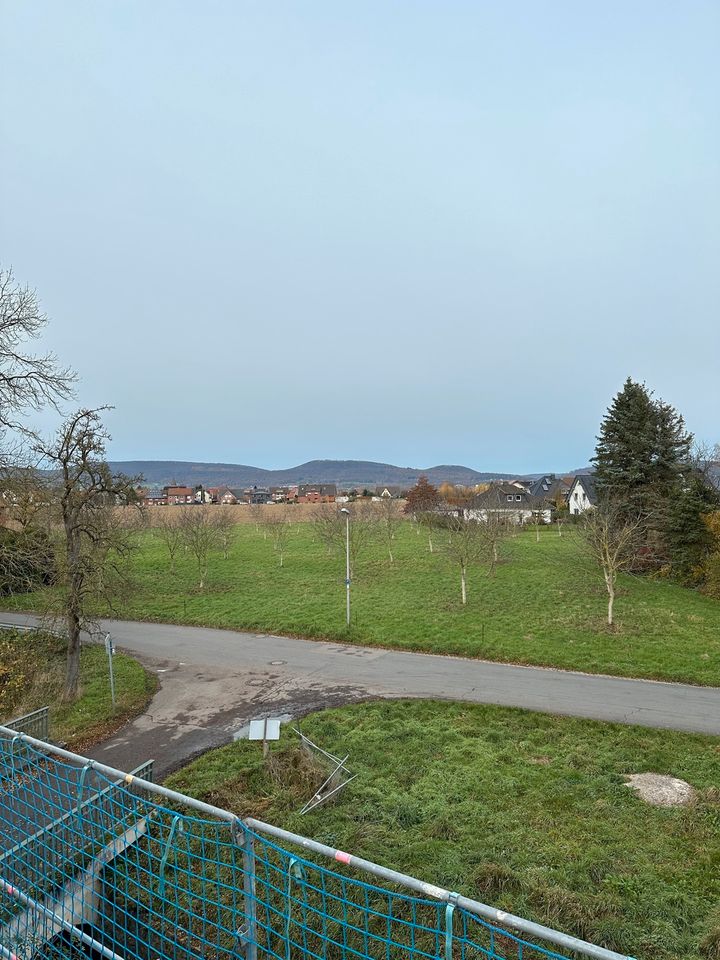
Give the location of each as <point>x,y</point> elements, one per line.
<point>177,495</point>
<point>513,503</point>
<point>316,493</point>
<point>583,494</point>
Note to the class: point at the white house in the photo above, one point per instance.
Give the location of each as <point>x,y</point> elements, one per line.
<point>511,503</point>
<point>583,494</point>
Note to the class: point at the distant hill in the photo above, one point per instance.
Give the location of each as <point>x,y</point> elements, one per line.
<point>346,473</point>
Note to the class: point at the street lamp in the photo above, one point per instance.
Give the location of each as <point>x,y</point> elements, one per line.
<point>347,561</point>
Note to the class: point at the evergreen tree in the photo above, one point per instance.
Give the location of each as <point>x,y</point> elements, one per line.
<point>689,538</point>
<point>642,451</point>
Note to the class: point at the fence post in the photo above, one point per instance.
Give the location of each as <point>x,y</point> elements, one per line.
<point>248,934</point>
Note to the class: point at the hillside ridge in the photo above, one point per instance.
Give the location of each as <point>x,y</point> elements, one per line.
<point>345,472</point>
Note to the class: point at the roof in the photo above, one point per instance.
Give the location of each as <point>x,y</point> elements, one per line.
<point>589,485</point>
<point>497,496</point>
<point>324,489</point>
<point>548,486</point>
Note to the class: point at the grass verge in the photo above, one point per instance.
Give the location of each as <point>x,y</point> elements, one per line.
<point>525,811</point>
<point>32,671</point>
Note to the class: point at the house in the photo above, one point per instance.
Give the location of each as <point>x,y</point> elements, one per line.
<point>583,494</point>
<point>283,494</point>
<point>511,502</point>
<point>152,498</point>
<point>388,492</point>
<point>177,495</point>
<point>230,495</point>
<point>316,493</point>
<point>257,495</point>
<point>554,490</point>
<point>202,495</point>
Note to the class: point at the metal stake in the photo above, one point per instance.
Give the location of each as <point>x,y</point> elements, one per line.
<point>347,563</point>
<point>109,649</point>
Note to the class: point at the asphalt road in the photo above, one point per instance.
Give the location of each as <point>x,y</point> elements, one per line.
<point>214,681</point>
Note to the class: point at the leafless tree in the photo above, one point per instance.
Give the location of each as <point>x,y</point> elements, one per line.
<point>226,527</point>
<point>28,381</point>
<point>278,526</point>
<point>200,537</point>
<point>329,528</point>
<point>26,495</point>
<point>169,531</point>
<point>465,546</point>
<point>258,515</point>
<point>493,529</point>
<point>389,519</point>
<point>614,542</point>
<point>94,542</point>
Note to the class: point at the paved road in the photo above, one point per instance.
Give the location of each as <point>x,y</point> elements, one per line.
<point>214,681</point>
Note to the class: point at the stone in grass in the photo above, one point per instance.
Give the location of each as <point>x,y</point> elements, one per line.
<point>660,790</point>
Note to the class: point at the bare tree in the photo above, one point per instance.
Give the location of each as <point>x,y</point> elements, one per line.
<point>258,516</point>
<point>329,528</point>
<point>94,545</point>
<point>466,545</point>
<point>226,528</point>
<point>168,530</point>
<point>27,381</point>
<point>493,530</point>
<point>614,541</point>
<point>25,492</point>
<point>278,526</point>
<point>389,519</point>
<point>200,537</point>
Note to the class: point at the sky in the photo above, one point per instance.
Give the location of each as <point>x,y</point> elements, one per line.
<point>398,230</point>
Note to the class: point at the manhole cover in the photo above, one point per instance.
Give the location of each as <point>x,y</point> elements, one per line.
<point>277,663</point>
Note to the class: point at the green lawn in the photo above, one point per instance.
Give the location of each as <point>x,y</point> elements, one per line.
<point>32,669</point>
<point>546,605</point>
<point>522,810</point>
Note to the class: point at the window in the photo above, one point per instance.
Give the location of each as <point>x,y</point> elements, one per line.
<point>518,497</point>
<point>510,496</point>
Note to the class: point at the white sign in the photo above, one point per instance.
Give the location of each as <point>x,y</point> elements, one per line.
<point>268,729</point>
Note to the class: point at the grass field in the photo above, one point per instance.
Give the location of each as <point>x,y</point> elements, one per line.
<point>546,604</point>
<point>32,669</point>
<point>525,811</point>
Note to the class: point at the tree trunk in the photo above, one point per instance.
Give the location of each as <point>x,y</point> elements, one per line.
<point>430,543</point>
<point>281,557</point>
<point>72,671</point>
<point>74,609</point>
<point>463,584</point>
<point>611,598</point>
<point>390,553</point>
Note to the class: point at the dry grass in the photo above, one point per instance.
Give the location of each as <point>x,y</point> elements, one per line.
<point>244,514</point>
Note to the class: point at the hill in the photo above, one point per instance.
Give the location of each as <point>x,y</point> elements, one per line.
<point>347,473</point>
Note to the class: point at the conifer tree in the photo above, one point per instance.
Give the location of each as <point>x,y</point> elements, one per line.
<point>688,536</point>
<point>642,451</point>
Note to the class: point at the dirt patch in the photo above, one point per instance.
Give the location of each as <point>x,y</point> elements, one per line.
<point>661,790</point>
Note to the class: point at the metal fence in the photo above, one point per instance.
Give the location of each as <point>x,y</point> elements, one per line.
<point>95,862</point>
<point>36,724</point>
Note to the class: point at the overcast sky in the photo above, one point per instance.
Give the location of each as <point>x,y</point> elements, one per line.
<point>419,232</point>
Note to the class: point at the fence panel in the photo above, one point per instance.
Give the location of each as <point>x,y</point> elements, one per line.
<point>93,862</point>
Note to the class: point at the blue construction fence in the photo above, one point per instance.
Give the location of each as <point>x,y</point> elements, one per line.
<point>98,863</point>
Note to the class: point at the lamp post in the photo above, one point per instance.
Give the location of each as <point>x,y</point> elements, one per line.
<point>347,562</point>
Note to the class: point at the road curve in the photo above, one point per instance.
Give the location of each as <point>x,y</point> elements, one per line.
<point>213,681</point>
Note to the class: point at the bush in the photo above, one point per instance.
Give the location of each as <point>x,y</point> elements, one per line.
<point>712,575</point>
<point>26,562</point>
